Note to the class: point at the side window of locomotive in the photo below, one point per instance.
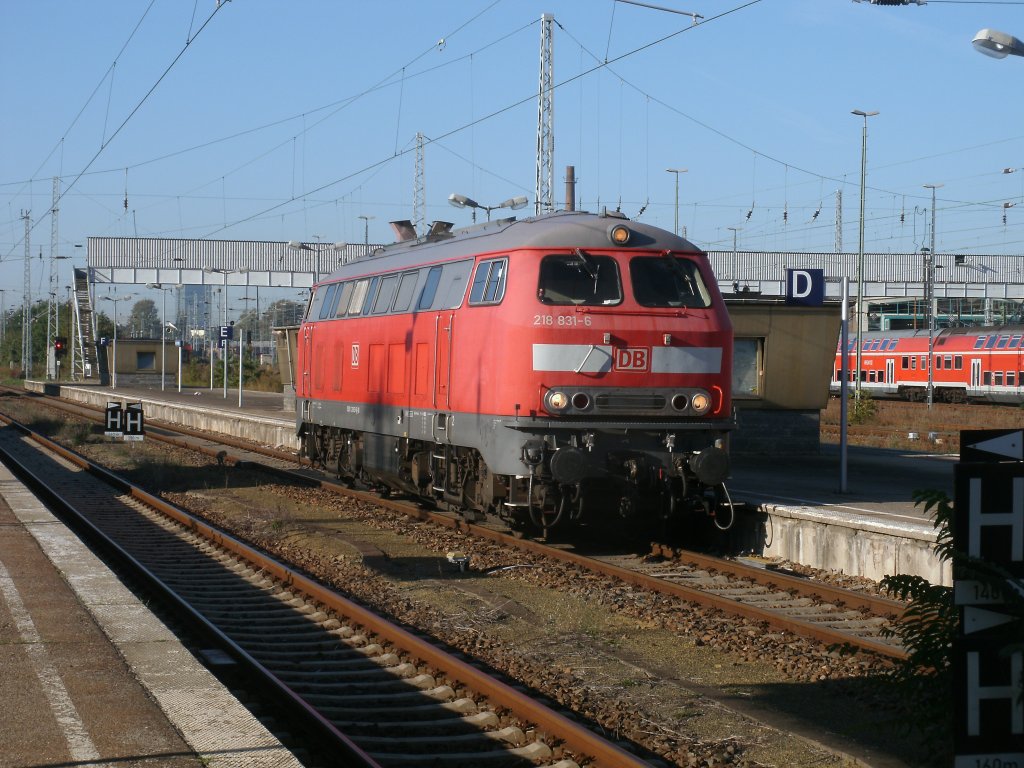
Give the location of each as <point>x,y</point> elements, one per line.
<point>355,305</point>
<point>429,288</point>
<point>489,282</point>
<point>571,279</point>
<point>326,309</point>
<point>667,281</point>
<point>315,301</point>
<point>385,295</point>
<point>344,295</point>
<point>406,289</point>
<point>453,284</point>
<point>371,294</point>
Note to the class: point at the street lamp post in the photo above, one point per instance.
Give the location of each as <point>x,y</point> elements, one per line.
<point>163,329</point>
<point>224,273</point>
<point>676,171</point>
<point>860,245</point>
<point>113,372</point>
<point>366,228</point>
<point>734,231</point>
<point>929,292</point>
<point>461,201</point>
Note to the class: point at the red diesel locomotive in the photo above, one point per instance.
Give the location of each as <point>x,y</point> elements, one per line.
<point>971,364</point>
<point>539,370</point>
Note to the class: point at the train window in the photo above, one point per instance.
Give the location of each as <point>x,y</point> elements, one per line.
<point>938,363</point>
<point>949,361</point>
<point>892,344</point>
<point>1014,342</point>
<point>905,362</point>
<point>913,363</point>
<point>489,282</point>
<point>1003,341</point>
<point>371,294</point>
<point>958,362</point>
<point>979,342</point>
<point>998,378</point>
<point>385,295</point>
<point>344,296</point>
<point>355,305</point>
<point>405,290</point>
<point>454,278</point>
<point>315,300</point>
<point>924,363</point>
<point>987,378</point>
<point>579,278</point>
<point>991,342</point>
<point>667,281</point>
<point>429,288</point>
<point>1010,378</point>
<point>326,309</point>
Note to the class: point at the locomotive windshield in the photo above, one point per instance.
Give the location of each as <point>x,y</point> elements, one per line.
<point>579,278</point>
<point>665,281</point>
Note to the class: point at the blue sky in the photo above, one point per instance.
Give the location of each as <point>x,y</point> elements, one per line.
<point>274,120</point>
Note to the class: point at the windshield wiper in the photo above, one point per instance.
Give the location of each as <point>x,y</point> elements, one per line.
<point>588,263</point>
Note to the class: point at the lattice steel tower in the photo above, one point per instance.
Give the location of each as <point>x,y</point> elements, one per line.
<point>545,119</point>
<point>839,221</point>
<point>419,191</point>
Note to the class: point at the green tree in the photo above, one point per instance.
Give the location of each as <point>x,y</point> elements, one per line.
<point>144,320</point>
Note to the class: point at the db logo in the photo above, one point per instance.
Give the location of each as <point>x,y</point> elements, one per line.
<point>636,359</point>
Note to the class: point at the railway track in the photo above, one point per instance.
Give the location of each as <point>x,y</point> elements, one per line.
<point>376,693</point>
<point>810,609</point>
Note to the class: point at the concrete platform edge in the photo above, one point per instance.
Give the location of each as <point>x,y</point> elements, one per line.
<point>223,732</point>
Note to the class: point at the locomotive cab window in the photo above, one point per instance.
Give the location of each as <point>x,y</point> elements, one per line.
<point>579,278</point>
<point>667,281</point>
<point>489,282</point>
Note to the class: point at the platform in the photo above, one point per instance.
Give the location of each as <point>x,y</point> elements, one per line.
<point>91,676</point>
<point>873,529</point>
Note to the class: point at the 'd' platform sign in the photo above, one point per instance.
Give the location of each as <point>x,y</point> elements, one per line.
<point>989,526</point>
<point>805,287</point>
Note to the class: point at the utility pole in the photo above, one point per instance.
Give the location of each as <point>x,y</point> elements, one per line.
<point>26,304</point>
<point>545,119</point>
<point>52,331</point>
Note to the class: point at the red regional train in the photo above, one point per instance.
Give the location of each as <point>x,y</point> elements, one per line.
<point>971,364</point>
<point>554,369</point>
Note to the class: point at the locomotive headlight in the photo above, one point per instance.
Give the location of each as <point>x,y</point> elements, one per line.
<point>619,234</point>
<point>555,401</point>
<point>701,402</point>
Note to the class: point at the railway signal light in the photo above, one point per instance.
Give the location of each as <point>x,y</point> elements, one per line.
<point>60,346</point>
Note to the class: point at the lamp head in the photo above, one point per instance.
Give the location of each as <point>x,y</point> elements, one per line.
<point>997,44</point>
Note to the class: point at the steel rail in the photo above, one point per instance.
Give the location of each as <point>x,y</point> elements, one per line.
<point>771,618</point>
<point>880,606</point>
<point>204,626</point>
<point>575,737</point>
